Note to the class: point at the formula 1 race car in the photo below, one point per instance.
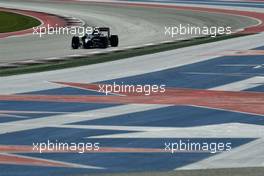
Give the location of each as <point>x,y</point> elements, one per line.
<point>99,38</point>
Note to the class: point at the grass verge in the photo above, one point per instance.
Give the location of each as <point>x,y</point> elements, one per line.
<point>93,59</point>
<point>11,22</point>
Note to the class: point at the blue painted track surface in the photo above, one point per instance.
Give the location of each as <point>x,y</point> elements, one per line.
<point>175,116</point>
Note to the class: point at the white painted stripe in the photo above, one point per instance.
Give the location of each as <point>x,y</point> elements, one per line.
<point>13,116</point>
<point>21,125</point>
<point>242,85</point>
<point>230,130</point>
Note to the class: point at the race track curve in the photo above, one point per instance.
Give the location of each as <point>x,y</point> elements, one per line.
<point>135,25</point>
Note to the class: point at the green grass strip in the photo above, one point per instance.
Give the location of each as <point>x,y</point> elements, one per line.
<point>11,22</point>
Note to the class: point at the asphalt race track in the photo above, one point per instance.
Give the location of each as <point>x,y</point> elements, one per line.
<point>135,25</point>
<point>214,94</point>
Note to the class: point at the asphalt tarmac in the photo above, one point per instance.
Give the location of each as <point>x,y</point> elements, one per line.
<point>135,26</point>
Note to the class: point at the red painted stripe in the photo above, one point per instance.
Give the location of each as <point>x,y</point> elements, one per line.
<point>247,102</point>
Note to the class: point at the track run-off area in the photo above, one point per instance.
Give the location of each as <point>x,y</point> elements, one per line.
<point>214,94</point>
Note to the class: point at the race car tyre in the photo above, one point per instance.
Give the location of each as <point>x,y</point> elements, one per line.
<point>75,42</point>
<point>114,40</point>
<point>104,42</point>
